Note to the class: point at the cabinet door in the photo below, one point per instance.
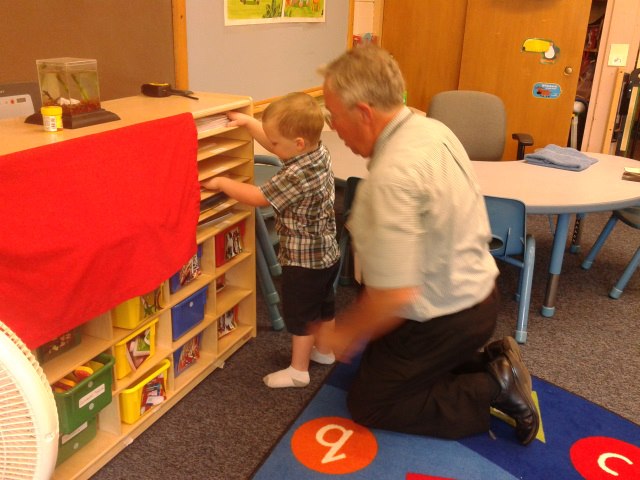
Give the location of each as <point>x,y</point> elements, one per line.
<point>493,61</point>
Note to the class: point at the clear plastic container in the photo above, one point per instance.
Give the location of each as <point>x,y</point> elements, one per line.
<point>71,83</point>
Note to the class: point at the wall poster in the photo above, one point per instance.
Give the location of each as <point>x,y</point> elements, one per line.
<point>246,12</point>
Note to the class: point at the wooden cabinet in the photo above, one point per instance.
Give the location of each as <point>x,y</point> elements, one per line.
<point>228,283</point>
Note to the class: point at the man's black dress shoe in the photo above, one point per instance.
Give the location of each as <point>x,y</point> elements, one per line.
<point>501,347</point>
<point>515,398</point>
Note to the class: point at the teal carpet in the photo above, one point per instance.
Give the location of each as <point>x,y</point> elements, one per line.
<point>578,440</point>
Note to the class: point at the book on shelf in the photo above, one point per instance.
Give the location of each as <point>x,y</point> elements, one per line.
<point>213,201</point>
<point>153,393</point>
<point>189,354</point>
<point>211,122</point>
<point>233,243</point>
<point>138,349</point>
<point>228,321</point>
<point>215,219</point>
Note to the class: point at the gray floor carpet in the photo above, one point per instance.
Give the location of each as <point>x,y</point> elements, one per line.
<point>227,425</point>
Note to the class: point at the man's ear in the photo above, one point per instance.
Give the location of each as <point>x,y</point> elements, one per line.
<point>365,112</point>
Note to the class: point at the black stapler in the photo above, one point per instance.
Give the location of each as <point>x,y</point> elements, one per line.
<point>164,90</point>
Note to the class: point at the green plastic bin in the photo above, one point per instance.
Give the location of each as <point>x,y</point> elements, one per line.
<point>87,398</point>
<point>70,443</point>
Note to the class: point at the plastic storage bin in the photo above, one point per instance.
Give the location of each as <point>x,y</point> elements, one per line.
<point>70,443</point>
<point>88,397</point>
<point>229,243</point>
<point>188,313</point>
<point>131,313</point>
<point>135,349</point>
<point>187,355</point>
<point>152,391</point>
<point>58,346</point>
<point>72,84</point>
<point>74,81</point>
<point>187,273</point>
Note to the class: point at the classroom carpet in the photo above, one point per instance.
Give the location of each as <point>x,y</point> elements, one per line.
<point>577,440</point>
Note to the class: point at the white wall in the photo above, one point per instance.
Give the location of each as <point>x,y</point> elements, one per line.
<point>363,16</point>
<point>263,60</point>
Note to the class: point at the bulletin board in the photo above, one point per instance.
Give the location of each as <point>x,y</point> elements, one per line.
<point>132,40</point>
<point>141,41</point>
<point>262,61</point>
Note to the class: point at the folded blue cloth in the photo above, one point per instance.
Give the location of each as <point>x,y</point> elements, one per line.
<point>560,157</point>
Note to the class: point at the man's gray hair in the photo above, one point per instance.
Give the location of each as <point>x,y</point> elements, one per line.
<point>366,74</point>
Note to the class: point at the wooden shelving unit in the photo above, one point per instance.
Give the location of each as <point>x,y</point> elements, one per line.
<point>222,150</point>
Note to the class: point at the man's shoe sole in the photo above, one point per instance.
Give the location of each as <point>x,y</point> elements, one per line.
<point>524,389</point>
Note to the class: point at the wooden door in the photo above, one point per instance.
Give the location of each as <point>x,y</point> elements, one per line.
<point>425,37</point>
<point>493,61</point>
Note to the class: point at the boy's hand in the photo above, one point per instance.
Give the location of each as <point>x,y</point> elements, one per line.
<point>211,184</point>
<point>237,119</point>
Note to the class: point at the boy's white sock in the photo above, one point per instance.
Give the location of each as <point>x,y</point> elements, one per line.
<point>323,358</point>
<point>289,377</point>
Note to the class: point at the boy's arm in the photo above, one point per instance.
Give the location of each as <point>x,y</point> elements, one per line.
<point>254,126</point>
<point>243,192</point>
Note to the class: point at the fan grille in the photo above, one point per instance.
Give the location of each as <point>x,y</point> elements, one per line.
<point>20,435</point>
<point>18,446</point>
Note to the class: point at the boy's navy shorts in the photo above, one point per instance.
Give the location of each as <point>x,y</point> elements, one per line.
<point>307,296</point>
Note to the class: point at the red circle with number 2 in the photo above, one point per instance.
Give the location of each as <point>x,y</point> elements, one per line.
<point>334,445</point>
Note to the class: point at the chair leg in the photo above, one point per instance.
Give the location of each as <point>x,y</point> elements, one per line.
<point>616,291</point>
<point>262,234</point>
<point>591,256</point>
<point>269,291</point>
<point>345,276</point>
<point>526,281</point>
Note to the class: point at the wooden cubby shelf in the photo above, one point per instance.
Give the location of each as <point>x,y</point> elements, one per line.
<point>221,151</point>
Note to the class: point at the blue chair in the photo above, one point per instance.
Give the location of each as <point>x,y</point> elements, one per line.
<point>630,216</point>
<point>267,265</point>
<point>345,276</point>
<point>511,244</point>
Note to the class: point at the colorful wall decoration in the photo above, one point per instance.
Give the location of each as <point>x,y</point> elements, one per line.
<point>246,12</point>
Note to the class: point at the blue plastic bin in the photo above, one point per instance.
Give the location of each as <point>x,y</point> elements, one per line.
<point>188,313</point>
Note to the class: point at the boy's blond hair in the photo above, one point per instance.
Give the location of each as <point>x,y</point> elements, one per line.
<point>295,115</point>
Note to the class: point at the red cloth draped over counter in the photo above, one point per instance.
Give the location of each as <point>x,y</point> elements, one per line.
<point>90,222</point>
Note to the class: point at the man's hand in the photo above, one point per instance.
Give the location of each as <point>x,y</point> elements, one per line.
<point>373,315</point>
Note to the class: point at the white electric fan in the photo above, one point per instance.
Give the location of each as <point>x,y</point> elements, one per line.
<point>28,415</point>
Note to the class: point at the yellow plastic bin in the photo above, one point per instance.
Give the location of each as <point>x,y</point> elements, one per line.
<point>152,391</point>
<point>87,397</point>
<point>135,349</point>
<point>131,313</point>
